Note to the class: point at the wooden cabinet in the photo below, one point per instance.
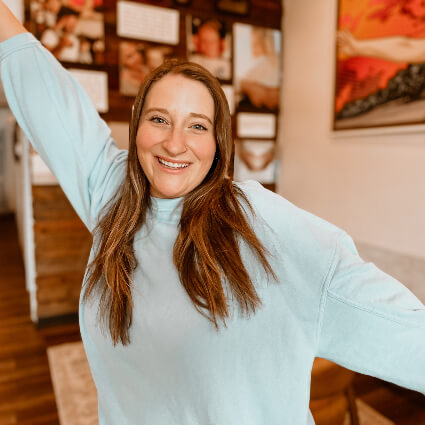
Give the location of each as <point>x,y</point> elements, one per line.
<point>54,241</point>
<point>62,245</point>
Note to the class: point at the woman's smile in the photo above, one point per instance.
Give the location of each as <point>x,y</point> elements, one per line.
<point>172,165</point>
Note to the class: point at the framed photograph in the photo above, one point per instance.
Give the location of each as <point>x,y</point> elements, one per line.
<point>255,160</point>
<point>137,60</point>
<point>209,44</point>
<point>249,124</point>
<point>380,64</point>
<point>73,30</point>
<point>146,22</point>
<point>230,96</point>
<point>237,7</point>
<point>95,83</point>
<point>257,67</point>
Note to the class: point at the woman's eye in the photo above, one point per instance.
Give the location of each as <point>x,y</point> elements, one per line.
<point>158,120</point>
<point>199,127</point>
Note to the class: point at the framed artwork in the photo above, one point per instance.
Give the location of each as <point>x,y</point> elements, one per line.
<point>237,7</point>
<point>137,60</point>
<point>73,30</point>
<point>255,160</point>
<point>380,64</point>
<point>209,44</point>
<point>257,67</point>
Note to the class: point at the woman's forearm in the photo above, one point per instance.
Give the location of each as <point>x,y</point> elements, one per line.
<point>397,49</point>
<point>9,24</point>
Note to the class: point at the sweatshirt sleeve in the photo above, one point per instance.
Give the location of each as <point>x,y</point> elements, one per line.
<point>61,122</point>
<point>371,323</point>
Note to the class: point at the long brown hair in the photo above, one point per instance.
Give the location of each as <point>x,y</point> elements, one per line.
<point>213,223</point>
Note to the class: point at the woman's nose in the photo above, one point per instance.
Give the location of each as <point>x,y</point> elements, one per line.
<point>175,143</point>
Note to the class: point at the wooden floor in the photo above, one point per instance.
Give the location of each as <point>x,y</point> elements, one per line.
<point>26,393</point>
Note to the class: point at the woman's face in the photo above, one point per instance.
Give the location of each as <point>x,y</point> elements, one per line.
<point>176,140</point>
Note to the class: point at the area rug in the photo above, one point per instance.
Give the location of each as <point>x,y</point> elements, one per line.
<point>76,397</point>
<point>75,392</point>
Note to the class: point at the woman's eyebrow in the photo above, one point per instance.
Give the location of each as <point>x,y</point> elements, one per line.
<point>193,114</point>
<point>162,110</point>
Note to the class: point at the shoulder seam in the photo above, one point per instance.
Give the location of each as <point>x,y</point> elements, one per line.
<point>372,311</point>
<point>28,45</point>
<point>324,287</point>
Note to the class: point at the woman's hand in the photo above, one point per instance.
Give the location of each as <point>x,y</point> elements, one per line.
<point>9,24</point>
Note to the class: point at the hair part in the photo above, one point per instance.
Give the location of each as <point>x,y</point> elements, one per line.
<point>213,223</point>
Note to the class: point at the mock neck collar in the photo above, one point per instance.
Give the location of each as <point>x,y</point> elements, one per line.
<point>167,210</point>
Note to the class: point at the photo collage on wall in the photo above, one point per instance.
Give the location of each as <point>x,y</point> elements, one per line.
<point>151,37</point>
<point>73,31</point>
<point>245,59</point>
<point>257,76</point>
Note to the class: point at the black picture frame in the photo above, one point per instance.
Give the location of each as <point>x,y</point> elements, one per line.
<point>182,2</point>
<point>236,7</point>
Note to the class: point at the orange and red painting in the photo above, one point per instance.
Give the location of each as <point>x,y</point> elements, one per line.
<point>380,75</point>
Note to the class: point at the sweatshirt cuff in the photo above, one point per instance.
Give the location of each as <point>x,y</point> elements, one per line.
<point>15,43</point>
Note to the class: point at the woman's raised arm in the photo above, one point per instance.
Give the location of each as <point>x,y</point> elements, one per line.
<point>60,120</point>
<point>9,25</point>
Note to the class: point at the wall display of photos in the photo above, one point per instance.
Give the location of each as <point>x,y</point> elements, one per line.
<point>118,42</point>
<point>380,69</point>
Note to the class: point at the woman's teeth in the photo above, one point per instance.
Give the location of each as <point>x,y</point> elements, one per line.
<point>174,165</point>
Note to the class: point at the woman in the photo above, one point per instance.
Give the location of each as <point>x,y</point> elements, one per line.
<point>197,309</point>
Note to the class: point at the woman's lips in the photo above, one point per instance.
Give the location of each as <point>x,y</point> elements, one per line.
<point>172,164</point>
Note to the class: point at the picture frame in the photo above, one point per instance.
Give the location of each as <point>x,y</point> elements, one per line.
<point>255,160</point>
<point>257,69</point>
<point>182,2</point>
<point>236,7</point>
<point>73,31</point>
<point>379,80</point>
<point>136,60</point>
<point>209,44</point>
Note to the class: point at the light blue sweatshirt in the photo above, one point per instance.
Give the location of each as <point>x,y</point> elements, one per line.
<point>178,370</point>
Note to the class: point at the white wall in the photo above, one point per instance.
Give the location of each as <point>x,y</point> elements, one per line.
<point>372,185</point>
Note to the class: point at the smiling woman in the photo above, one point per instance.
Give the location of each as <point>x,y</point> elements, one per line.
<point>180,148</point>
<point>176,141</point>
<point>205,301</point>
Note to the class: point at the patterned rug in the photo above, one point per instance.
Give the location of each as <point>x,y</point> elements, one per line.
<point>76,397</point>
